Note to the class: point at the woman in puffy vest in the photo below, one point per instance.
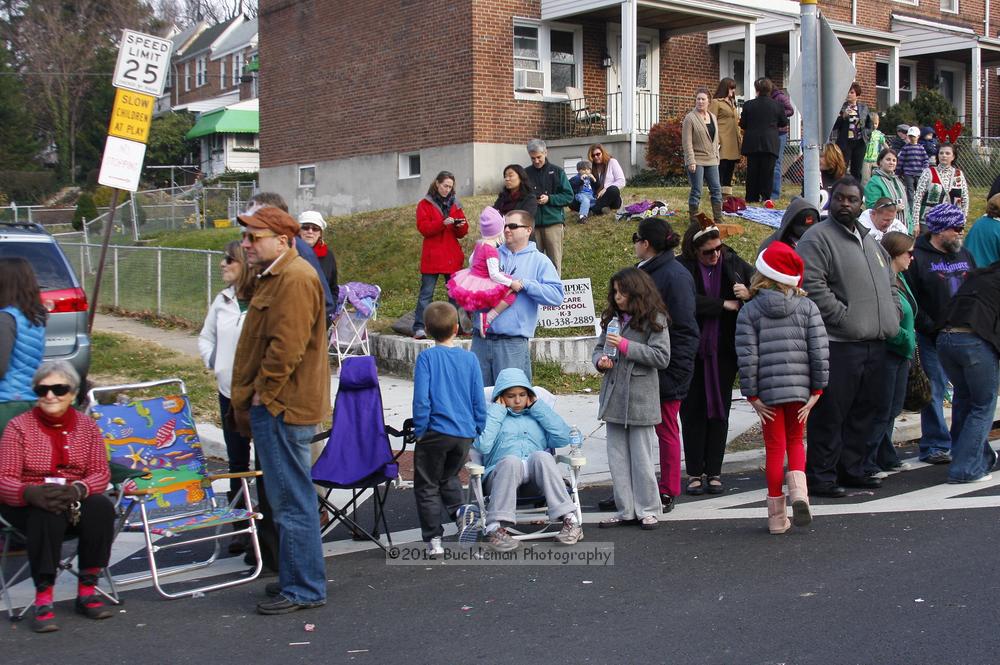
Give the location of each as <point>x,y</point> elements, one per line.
<point>22,336</point>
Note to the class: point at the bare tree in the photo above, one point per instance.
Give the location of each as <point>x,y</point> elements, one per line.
<point>213,11</point>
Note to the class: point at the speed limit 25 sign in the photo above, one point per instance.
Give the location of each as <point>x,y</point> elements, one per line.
<point>143,62</point>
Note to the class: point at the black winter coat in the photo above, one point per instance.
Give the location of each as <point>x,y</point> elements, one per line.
<point>527,202</point>
<point>676,288</point>
<point>976,305</point>
<point>734,271</point>
<point>760,120</point>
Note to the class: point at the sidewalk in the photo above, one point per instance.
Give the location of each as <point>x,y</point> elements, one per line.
<point>578,409</point>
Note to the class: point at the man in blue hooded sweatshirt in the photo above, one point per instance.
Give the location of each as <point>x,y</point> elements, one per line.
<point>536,282</point>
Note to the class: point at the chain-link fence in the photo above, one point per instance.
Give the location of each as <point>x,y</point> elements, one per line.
<point>163,281</point>
<point>221,202</point>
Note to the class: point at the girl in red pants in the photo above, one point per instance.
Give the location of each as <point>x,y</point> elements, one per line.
<point>782,351</point>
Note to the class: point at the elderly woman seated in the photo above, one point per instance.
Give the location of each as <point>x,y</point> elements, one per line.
<point>53,472</point>
<point>519,430</point>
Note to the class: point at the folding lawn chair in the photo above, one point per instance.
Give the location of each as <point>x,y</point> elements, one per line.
<point>357,304</point>
<point>531,508</point>
<point>357,456</point>
<point>156,437</point>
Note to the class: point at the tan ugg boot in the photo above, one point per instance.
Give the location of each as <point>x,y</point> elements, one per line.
<point>726,191</point>
<point>777,515</point>
<point>717,212</point>
<point>693,213</point>
<point>798,492</point>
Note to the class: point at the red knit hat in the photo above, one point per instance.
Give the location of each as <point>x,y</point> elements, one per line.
<point>780,263</point>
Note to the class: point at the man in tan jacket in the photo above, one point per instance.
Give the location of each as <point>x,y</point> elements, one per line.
<point>281,377</point>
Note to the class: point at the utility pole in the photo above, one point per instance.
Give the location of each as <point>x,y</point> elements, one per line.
<point>810,101</point>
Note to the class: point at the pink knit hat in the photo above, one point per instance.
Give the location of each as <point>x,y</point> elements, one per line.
<point>490,223</point>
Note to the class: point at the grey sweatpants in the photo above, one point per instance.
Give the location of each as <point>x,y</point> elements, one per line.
<point>630,459</point>
<point>510,473</point>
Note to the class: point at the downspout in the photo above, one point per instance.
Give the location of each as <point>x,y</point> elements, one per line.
<point>854,11</point>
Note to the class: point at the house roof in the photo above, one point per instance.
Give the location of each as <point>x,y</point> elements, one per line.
<point>205,40</point>
<point>185,37</point>
<point>206,105</point>
<point>924,37</point>
<point>241,37</point>
<point>242,118</point>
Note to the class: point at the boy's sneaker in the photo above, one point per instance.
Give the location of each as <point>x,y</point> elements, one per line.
<point>501,541</point>
<point>420,334</point>
<point>434,548</point>
<point>571,532</point>
<point>467,521</point>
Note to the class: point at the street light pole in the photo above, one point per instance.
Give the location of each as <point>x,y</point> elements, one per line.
<point>810,101</point>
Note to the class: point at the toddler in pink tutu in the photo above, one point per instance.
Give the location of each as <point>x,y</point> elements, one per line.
<point>483,286</point>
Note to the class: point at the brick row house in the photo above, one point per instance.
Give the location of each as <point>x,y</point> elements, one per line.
<point>363,103</point>
<point>213,74</point>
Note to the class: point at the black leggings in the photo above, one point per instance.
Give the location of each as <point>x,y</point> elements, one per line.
<point>760,176</point>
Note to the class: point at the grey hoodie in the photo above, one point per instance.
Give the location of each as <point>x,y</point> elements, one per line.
<point>797,205</point>
<point>850,281</point>
<point>781,347</point>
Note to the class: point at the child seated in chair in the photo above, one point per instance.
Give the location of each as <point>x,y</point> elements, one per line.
<point>519,430</point>
<point>449,411</point>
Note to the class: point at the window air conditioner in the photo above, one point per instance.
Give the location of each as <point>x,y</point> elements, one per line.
<point>529,80</point>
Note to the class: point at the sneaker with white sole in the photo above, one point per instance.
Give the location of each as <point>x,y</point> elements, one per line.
<point>501,541</point>
<point>571,532</point>
<point>434,548</point>
<point>467,521</point>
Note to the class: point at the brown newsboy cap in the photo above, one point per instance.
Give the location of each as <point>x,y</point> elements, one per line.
<point>273,218</point>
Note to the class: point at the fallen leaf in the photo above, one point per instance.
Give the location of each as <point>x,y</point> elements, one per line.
<point>309,627</point>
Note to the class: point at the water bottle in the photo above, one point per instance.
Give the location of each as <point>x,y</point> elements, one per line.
<point>575,441</point>
<point>614,328</point>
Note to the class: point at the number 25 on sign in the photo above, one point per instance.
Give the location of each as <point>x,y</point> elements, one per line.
<point>142,63</point>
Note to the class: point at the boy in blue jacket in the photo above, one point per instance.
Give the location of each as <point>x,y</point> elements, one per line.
<point>519,430</point>
<point>449,411</point>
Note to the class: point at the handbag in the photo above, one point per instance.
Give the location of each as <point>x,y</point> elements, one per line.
<point>918,386</point>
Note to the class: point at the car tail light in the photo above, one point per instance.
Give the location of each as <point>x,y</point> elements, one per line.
<point>65,300</point>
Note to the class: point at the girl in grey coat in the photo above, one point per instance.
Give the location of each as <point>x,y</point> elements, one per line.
<point>783,356</point>
<point>630,392</point>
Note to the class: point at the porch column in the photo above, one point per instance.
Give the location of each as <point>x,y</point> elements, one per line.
<point>628,57</point>
<point>893,78</point>
<point>977,93</point>
<point>794,47</point>
<point>749,60</point>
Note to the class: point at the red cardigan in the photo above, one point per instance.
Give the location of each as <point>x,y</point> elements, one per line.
<point>441,252</point>
<point>26,456</point>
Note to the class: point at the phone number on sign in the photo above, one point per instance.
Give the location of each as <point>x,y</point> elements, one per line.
<point>568,321</point>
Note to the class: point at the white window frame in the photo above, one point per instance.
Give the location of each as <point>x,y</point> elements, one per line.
<point>249,139</point>
<point>405,172</point>
<point>907,69</point>
<point>545,57</point>
<point>222,73</point>
<point>952,7</point>
<point>959,73</point>
<point>305,169</point>
<point>912,3</point>
<point>201,71</point>
<point>237,68</point>
<point>187,76</point>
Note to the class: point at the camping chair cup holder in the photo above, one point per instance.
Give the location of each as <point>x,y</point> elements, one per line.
<point>162,485</point>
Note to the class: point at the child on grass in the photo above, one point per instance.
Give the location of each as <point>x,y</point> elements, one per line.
<point>583,188</point>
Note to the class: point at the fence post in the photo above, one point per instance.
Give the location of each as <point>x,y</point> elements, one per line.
<point>115,254</point>
<point>208,280</point>
<point>159,282</point>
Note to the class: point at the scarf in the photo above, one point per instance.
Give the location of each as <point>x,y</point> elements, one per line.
<point>320,249</point>
<point>444,204</point>
<point>708,344</point>
<point>56,431</point>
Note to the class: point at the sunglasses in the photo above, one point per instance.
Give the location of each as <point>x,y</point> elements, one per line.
<point>712,252</point>
<point>637,238</point>
<point>229,260</point>
<point>312,228</point>
<point>58,389</point>
<point>511,227</point>
<point>254,236</point>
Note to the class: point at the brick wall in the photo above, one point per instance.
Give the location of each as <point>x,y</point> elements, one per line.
<point>213,86</point>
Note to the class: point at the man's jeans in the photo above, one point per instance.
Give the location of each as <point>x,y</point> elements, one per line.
<point>586,201</point>
<point>710,176</point>
<point>428,282</point>
<point>285,455</point>
<point>934,435</point>
<point>972,366</point>
<point>498,353</point>
<point>783,140</point>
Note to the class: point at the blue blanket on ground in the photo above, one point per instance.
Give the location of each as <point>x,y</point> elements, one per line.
<point>765,216</point>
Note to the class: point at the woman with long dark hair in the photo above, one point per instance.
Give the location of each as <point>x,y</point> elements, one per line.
<point>22,336</point>
<point>723,107</point>
<point>721,278</point>
<point>516,193</point>
<point>610,179</point>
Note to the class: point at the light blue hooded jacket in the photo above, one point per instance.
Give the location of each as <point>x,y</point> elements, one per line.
<point>542,286</point>
<point>519,434</point>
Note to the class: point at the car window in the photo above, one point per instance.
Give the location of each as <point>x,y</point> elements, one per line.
<point>50,268</point>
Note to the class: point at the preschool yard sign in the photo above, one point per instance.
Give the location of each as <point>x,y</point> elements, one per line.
<point>576,310</point>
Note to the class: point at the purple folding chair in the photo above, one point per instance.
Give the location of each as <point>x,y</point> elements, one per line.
<point>358,456</point>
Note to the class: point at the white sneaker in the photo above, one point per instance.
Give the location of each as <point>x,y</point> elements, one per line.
<point>434,548</point>
<point>983,479</point>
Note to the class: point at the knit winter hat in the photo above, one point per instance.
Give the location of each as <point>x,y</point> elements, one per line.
<point>943,217</point>
<point>490,223</point>
<point>780,263</point>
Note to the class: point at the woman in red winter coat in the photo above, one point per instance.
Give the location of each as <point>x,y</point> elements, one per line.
<point>441,221</point>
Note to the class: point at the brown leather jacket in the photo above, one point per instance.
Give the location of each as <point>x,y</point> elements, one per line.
<point>282,352</point>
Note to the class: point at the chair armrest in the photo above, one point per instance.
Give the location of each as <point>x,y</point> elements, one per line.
<point>242,474</point>
<point>573,462</point>
<point>475,469</point>
<point>139,492</point>
<point>119,473</point>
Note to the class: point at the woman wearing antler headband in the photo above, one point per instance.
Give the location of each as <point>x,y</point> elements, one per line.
<point>944,183</point>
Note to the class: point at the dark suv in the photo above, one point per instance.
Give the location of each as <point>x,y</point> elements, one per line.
<point>66,336</point>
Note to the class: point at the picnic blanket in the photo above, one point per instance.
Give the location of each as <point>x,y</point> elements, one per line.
<point>766,216</point>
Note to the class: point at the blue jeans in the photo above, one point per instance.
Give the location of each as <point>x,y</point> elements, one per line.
<point>709,175</point>
<point>428,282</point>
<point>973,366</point>
<point>237,450</point>
<point>286,461</point>
<point>586,200</point>
<point>934,435</point>
<point>882,455</point>
<point>496,354</point>
<point>783,140</point>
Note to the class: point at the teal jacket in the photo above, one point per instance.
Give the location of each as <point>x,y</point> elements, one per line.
<point>983,241</point>
<point>518,434</point>
<point>905,340</point>
<point>25,357</point>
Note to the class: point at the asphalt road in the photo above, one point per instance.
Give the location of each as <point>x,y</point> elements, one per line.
<point>870,581</point>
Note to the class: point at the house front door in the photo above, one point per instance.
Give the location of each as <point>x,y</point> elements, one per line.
<point>647,83</point>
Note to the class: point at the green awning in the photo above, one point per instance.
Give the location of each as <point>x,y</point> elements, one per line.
<point>226,121</point>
